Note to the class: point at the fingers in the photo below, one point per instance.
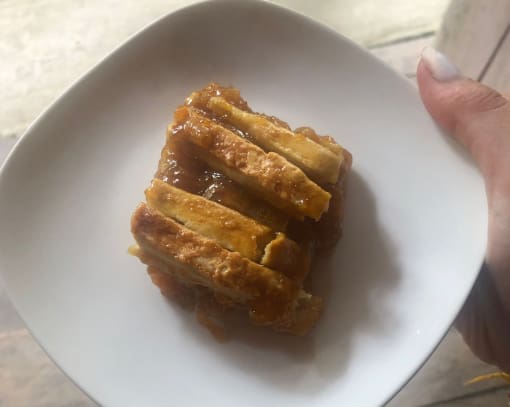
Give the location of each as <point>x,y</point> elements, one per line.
<point>479,118</point>
<point>476,115</point>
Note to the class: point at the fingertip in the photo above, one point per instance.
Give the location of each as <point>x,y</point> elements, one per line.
<point>423,74</point>
<point>439,65</point>
<point>425,81</point>
<point>434,94</point>
<point>474,114</point>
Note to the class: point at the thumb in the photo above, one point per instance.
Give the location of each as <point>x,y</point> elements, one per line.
<point>476,115</point>
<point>479,118</point>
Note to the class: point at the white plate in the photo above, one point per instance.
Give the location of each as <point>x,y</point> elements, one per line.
<point>414,235</point>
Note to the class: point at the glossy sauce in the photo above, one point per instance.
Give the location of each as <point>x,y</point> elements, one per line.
<point>179,166</point>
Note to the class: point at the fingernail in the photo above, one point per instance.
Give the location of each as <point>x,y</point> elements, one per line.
<point>439,65</point>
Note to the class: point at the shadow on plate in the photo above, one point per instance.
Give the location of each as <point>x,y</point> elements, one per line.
<point>354,282</point>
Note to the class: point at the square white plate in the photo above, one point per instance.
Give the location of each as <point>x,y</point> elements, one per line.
<point>414,236</point>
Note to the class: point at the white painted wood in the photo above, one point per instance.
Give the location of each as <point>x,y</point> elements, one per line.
<point>498,74</point>
<point>470,32</point>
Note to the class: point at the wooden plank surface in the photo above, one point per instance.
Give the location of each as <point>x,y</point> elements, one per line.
<point>471,32</point>
<point>442,379</point>
<point>498,73</point>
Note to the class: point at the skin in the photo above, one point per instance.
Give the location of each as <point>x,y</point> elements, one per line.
<point>478,117</point>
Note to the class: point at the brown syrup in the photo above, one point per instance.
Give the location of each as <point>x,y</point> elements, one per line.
<point>181,168</point>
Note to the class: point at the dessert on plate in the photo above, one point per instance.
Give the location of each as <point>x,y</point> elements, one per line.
<point>237,209</point>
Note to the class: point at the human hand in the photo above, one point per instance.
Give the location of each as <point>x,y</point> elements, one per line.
<point>479,118</point>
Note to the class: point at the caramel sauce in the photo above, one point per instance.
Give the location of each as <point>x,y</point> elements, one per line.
<point>180,167</point>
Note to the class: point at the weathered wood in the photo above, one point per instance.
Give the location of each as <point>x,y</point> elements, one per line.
<point>444,375</point>
<point>498,73</point>
<point>470,33</point>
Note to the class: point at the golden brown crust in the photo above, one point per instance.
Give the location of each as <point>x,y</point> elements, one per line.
<point>225,192</point>
<point>229,228</point>
<point>268,175</point>
<point>317,161</point>
<point>202,261</point>
<point>209,305</point>
<point>232,95</point>
<point>285,255</point>
<point>180,168</point>
<point>329,229</point>
<point>325,141</point>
